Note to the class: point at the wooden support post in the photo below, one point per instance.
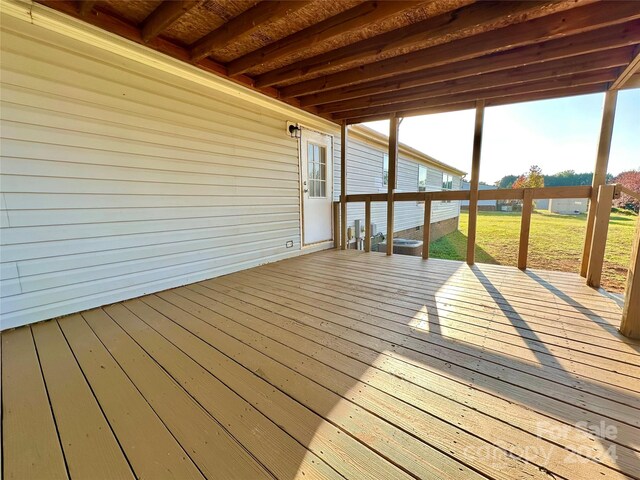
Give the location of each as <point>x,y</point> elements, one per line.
<point>367,225</point>
<point>630,326</point>
<point>394,125</point>
<point>336,225</point>
<point>343,185</point>
<point>525,227</point>
<point>599,238</point>
<point>600,172</point>
<point>474,182</point>
<point>426,228</point>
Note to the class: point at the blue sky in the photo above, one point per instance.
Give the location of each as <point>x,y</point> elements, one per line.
<point>559,134</point>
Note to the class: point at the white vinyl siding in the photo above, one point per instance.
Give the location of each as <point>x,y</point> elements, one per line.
<point>364,175</point>
<point>119,179</point>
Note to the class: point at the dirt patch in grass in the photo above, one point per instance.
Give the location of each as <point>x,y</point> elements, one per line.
<point>555,243</point>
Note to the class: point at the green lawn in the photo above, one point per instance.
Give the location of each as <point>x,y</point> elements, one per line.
<point>555,243</point>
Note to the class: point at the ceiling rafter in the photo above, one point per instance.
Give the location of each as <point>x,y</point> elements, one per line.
<point>357,17</point>
<point>598,77</point>
<point>429,32</point>
<point>581,44</point>
<point>633,68</point>
<point>578,20</point>
<point>243,24</point>
<point>167,13</point>
<point>547,70</point>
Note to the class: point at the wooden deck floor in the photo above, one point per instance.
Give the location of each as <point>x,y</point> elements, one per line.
<point>330,365</point>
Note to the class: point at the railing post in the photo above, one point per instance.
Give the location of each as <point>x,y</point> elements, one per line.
<point>600,171</point>
<point>367,225</point>
<point>394,125</point>
<point>426,233</point>
<point>525,227</point>
<point>599,237</point>
<point>336,225</point>
<point>474,182</point>
<point>343,185</point>
<point>630,326</point>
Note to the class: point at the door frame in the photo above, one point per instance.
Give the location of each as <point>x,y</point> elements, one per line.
<point>330,154</point>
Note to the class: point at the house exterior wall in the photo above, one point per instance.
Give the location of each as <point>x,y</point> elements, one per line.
<point>568,206</point>
<point>364,175</point>
<point>120,179</point>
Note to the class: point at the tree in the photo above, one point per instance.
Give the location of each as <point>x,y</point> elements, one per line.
<point>506,181</point>
<point>631,180</point>
<point>532,179</point>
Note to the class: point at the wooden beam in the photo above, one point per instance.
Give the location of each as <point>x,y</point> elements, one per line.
<point>85,7</point>
<point>632,68</point>
<point>607,42</point>
<point>367,225</point>
<point>245,23</point>
<point>474,183</point>
<point>599,172</point>
<point>578,20</point>
<point>553,70</point>
<point>426,227</point>
<point>336,225</point>
<point>525,227</point>
<point>599,238</point>
<point>360,16</point>
<point>344,138</point>
<point>493,102</point>
<point>164,16</point>
<point>630,325</point>
<point>394,126</point>
<point>443,28</point>
<point>590,78</point>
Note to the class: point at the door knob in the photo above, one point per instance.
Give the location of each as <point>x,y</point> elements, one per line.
<point>306,190</point>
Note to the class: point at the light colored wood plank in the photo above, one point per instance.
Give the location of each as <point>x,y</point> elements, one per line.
<point>630,325</point>
<point>525,227</point>
<point>599,172</point>
<point>247,406</point>
<point>31,447</point>
<point>210,446</point>
<point>151,449</point>
<point>435,397</point>
<point>90,447</point>
<point>599,235</point>
<point>325,439</point>
<point>474,182</point>
<point>394,130</point>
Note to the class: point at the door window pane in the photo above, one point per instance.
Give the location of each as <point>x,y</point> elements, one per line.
<point>317,170</point>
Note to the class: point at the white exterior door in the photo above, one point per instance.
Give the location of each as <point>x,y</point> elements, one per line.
<point>317,186</point>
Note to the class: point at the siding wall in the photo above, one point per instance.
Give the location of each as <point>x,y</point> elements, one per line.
<point>364,175</point>
<point>119,179</point>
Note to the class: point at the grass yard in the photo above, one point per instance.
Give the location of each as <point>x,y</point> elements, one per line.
<point>555,243</point>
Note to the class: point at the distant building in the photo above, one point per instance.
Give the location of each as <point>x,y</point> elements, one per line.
<point>568,206</point>
<point>487,205</point>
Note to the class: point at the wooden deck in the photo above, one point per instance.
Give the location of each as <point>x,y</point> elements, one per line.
<point>335,364</point>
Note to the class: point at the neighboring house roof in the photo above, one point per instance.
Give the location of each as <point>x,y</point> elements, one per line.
<point>381,139</point>
<point>465,186</point>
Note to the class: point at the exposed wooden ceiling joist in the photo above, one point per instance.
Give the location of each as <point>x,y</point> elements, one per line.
<point>547,70</point>
<point>85,6</point>
<point>627,74</point>
<point>164,16</point>
<point>424,34</point>
<point>357,17</point>
<point>584,43</point>
<point>243,24</point>
<point>582,19</point>
<point>598,77</point>
<point>493,102</point>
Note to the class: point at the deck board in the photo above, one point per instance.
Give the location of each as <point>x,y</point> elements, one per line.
<point>338,364</point>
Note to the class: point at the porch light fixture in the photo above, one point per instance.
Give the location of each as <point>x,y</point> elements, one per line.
<point>294,130</point>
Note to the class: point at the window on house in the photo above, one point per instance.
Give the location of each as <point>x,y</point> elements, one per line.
<point>422,178</point>
<point>385,169</point>
<point>317,170</point>
<point>447,184</point>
